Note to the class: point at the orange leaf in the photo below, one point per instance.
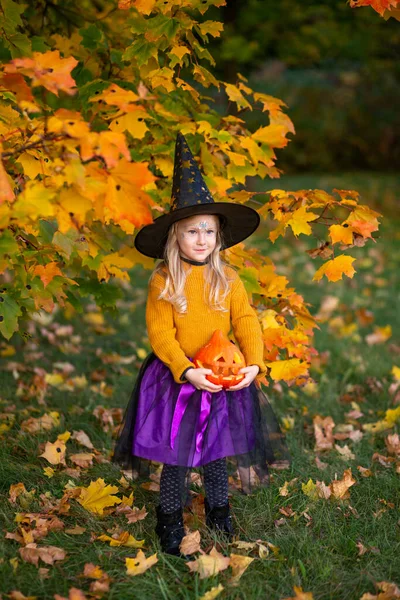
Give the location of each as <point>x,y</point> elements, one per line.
<point>335,268</point>
<point>47,272</point>
<point>340,487</point>
<point>363,220</point>
<point>378,5</point>
<point>6,192</point>
<point>47,69</point>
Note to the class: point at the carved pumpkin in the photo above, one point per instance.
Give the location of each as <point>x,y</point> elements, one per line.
<point>223,357</point>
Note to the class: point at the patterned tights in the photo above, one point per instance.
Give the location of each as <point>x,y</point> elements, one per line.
<point>173,481</point>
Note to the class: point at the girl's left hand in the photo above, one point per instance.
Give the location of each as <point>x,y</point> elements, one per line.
<point>251,373</point>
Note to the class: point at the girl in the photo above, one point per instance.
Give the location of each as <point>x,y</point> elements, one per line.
<point>175,415</point>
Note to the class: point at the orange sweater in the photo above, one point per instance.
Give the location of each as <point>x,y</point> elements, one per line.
<point>174,337</point>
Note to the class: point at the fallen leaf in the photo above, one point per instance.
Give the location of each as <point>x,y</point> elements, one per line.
<point>208,565</point>
<point>97,496</point>
<point>140,564</point>
<point>300,595</point>
<point>340,487</point>
<point>345,452</point>
<point>77,530</point>
<point>190,543</point>
<point>54,453</point>
<point>82,459</point>
<point>123,539</point>
<point>323,431</point>
<point>238,564</point>
<point>48,554</point>
<point>212,593</point>
<point>82,438</point>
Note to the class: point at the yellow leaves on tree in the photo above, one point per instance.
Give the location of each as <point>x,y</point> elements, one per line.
<point>47,69</point>
<point>6,192</point>
<point>287,370</point>
<point>334,269</point>
<point>98,496</point>
<point>126,203</point>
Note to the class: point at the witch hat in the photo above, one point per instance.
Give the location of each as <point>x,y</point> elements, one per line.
<point>191,196</point>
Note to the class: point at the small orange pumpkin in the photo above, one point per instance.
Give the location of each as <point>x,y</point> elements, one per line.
<point>223,358</point>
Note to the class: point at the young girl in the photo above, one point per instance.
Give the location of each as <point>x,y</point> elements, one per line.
<point>176,416</point>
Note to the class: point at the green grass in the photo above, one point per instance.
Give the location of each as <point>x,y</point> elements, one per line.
<point>321,553</point>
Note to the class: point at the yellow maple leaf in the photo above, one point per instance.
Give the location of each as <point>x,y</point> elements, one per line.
<point>179,51</point>
<point>133,122</point>
<point>98,496</point>
<point>335,268</point>
<point>212,593</point>
<point>287,369</point>
<point>238,564</point>
<point>300,595</point>
<point>115,95</point>
<point>272,135</point>
<point>49,472</point>
<point>338,233</point>
<point>140,564</point>
<point>396,372</point>
<point>235,95</point>
<point>124,539</point>
<point>298,221</point>
<point>208,565</point>
<point>55,453</point>
<point>310,489</point>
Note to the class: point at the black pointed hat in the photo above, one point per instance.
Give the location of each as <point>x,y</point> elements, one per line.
<point>191,196</point>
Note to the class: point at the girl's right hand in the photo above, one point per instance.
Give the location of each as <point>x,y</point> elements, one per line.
<point>197,377</point>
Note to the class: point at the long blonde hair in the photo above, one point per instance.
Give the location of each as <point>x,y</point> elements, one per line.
<point>175,274</point>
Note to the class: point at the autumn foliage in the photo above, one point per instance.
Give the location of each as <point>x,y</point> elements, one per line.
<point>88,118</point>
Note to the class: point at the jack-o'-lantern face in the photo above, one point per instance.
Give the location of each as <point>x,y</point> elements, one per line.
<point>223,358</point>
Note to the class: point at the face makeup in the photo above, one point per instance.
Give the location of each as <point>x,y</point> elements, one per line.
<point>198,238</point>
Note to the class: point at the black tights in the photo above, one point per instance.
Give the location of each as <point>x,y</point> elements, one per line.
<point>173,481</point>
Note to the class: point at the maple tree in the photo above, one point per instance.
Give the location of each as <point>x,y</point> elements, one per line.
<point>88,118</point>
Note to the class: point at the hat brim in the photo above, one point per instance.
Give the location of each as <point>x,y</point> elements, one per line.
<point>238,223</point>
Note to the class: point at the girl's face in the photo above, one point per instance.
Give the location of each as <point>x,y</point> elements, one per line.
<point>197,236</point>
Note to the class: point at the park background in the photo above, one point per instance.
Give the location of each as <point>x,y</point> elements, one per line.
<point>337,69</point>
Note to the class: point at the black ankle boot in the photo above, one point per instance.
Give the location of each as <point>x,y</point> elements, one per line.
<point>220,519</point>
<point>170,530</point>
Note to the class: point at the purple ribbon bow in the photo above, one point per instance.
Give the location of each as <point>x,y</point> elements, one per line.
<point>182,402</point>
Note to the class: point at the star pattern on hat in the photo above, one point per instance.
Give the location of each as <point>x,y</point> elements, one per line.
<point>188,185</point>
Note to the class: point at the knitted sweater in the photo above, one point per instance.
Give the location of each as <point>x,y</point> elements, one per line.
<point>176,337</point>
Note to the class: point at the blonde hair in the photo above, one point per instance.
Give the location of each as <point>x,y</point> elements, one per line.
<point>175,274</point>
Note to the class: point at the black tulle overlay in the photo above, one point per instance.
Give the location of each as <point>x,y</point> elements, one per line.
<point>176,424</point>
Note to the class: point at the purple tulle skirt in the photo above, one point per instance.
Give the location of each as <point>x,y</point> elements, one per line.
<point>177,424</point>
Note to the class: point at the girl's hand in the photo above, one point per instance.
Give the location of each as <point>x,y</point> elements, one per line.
<point>197,377</point>
<point>251,373</point>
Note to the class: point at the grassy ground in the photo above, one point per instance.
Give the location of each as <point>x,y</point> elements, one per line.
<point>319,545</point>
